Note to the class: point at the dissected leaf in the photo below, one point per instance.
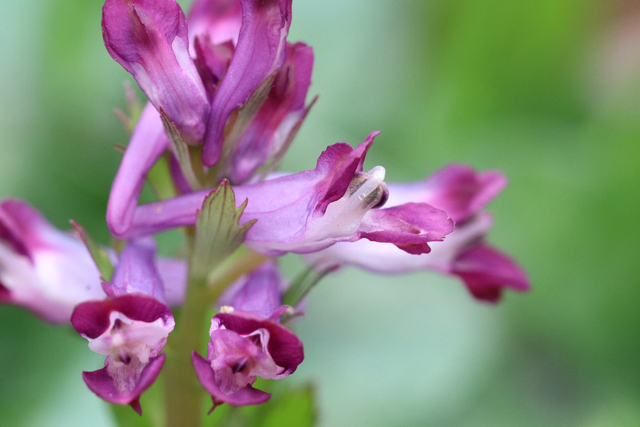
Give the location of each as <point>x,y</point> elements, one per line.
<point>218,233</point>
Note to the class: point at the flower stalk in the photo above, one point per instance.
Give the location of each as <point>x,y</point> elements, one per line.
<point>216,260</point>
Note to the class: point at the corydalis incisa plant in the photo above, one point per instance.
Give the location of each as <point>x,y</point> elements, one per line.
<point>227,94</point>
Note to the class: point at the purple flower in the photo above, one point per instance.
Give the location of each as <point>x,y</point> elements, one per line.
<point>259,292</point>
<point>248,341</point>
<point>312,210</point>
<point>277,121</point>
<point>149,39</point>
<point>147,144</point>
<point>43,269</point>
<point>462,193</point>
<point>130,327</point>
<point>236,46</point>
<point>259,52</point>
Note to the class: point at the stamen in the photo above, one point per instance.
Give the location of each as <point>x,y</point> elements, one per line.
<point>226,309</point>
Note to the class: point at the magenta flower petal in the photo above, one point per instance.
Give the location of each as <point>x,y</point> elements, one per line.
<point>130,326</point>
<point>43,269</point>
<point>173,272</point>
<point>136,272</point>
<point>486,272</point>
<point>244,346</point>
<point>5,294</point>
<point>147,144</point>
<point>278,117</point>
<point>283,345</point>
<point>386,258</point>
<point>409,226</point>
<point>214,27</point>
<point>259,52</point>
<point>120,391</point>
<point>247,395</point>
<point>131,330</point>
<point>312,210</point>
<point>462,193</point>
<point>258,292</point>
<point>456,189</point>
<point>93,318</point>
<point>149,39</point>
<point>218,21</point>
<point>292,211</point>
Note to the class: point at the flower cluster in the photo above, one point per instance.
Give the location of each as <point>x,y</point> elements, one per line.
<point>227,94</point>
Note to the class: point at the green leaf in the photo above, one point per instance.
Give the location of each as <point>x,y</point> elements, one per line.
<point>218,233</point>
<point>98,253</point>
<point>294,407</point>
<point>288,407</point>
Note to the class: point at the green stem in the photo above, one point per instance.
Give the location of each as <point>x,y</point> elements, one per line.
<point>184,395</point>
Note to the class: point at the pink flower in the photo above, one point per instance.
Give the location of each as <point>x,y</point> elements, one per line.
<point>43,269</point>
<point>462,193</point>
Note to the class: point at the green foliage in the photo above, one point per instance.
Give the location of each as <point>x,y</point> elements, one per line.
<point>293,408</point>
<point>218,234</point>
<point>288,406</point>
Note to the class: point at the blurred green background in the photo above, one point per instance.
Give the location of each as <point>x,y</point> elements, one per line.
<point>547,91</point>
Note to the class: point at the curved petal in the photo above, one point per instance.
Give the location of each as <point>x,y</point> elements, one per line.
<point>149,39</point>
<point>292,211</point>
<point>147,144</point>
<point>93,318</point>
<point>111,389</point>
<point>43,269</point>
<point>486,272</point>
<point>284,346</point>
<point>136,272</point>
<point>456,189</point>
<point>280,116</point>
<point>245,396</point>
<point>259,52</point>
<point>409,226</point>
<point>258,292</point>
<point>217,20</point>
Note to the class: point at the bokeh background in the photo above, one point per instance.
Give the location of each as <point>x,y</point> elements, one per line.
<point>546,91</point>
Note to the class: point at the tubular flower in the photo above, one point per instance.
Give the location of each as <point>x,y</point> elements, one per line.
<point>462,193</point>
<point>255,85</point>
<point>247,341</point>
<point>259,52</point>
<point>259,292</point>
<point>271,131</point>
<point>227,94</point>
<point>149,39</point>
<point>43,269</point>
<point>312,210</point>
<point>130,327</point>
